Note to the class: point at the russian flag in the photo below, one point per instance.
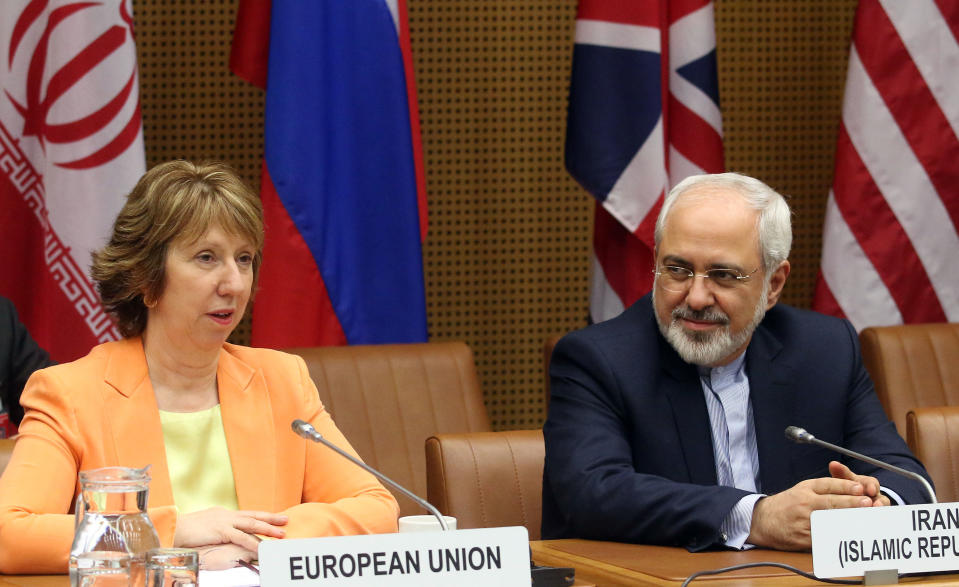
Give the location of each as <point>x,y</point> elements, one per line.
<point>343,187</point>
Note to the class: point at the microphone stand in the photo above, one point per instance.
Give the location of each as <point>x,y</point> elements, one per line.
<point>800,436</point>
<point>306,430</point>
<point>541,576</point>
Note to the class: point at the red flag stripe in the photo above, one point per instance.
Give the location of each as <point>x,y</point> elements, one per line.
<point>647,228</point>
<point>893,223</point>
<point>694,137</point>
<point>637,12</point>
<point>418,163</point>
<point>681,8</point>
<point>852,278</point>
<point>306,310</point>
<point>250,52</point>
<point>882,238</point>
<point>950,13</point>
<point>826,301</point>
<point>909,100</point>
<point>626,261</point>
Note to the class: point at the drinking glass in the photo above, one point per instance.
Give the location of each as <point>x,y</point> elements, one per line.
<point>172,567</point>
<point>103,568</point>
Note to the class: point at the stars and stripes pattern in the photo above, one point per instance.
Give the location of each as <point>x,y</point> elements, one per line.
<point>890,238</point>
<point>643,115</point>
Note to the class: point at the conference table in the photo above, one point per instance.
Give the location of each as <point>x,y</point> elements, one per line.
<point>613,564</point>
<point>607,564</point>
<point>34,581</point>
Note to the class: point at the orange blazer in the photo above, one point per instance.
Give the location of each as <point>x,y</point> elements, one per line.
<point>100,411</point>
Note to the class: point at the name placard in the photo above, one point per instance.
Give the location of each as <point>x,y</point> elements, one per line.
<point>910,539</point>
<point>480,557</point>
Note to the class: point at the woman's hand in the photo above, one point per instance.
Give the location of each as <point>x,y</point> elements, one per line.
<point>218,525</point>
<point>223,556</point>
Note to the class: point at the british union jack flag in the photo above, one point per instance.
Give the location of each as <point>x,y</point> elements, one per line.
<point>643,115</point>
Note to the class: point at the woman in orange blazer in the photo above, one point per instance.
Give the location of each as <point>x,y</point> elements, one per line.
<point>177,274</point>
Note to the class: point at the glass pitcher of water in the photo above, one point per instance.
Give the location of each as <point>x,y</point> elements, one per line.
<point>111,518</point>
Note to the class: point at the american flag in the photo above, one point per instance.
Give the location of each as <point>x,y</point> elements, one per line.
<point>643,115</point>
<point>890,242</point>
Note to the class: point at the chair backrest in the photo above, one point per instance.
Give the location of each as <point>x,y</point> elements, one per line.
<point>388,399</point>
<point>912,366</point>
<point>6,450</point>
<point>488,479</point>
<point>933,436</point>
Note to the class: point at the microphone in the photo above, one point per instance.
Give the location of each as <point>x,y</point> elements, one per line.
<point>307,431</point>
<point>800,436</point>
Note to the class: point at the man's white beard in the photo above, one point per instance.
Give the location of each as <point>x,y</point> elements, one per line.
<point>708,347</point>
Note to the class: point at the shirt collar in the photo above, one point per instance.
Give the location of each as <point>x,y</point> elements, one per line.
<point>724,373</point>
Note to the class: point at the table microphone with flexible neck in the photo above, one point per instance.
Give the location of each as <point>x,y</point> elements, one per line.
<point>800,436</point>
<point>306,430</point>
<point>542,576</point>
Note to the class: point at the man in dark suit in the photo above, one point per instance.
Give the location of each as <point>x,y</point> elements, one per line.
<point>666,424</point>
<point>20,356</point>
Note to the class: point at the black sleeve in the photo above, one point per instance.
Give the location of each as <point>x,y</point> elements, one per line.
<point>20,356</point>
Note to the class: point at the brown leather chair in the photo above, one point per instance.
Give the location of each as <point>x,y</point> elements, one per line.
<point>6,449</point>
<point>933,436</point>
<point>912,366</point>
<point>488,479</point>
<point>388,399</point>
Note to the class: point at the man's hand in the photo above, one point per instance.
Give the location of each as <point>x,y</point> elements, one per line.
<point>218,525</point>
<point>870,484</point>
<point>781,521</point>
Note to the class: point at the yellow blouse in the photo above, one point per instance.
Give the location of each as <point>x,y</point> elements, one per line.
<point>198,460</point>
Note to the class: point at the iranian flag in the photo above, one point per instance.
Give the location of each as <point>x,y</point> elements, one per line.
<point>71,148</point>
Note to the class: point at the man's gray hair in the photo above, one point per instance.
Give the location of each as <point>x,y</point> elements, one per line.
<point>775,221</point>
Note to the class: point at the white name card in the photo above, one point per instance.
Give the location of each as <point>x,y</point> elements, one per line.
<point>466,558</point>
<point>910,539</point>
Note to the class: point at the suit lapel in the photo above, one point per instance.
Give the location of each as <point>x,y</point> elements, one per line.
<point>681,385</point>
<point>134,419</point>
<point>773,399</point>
<point>250,435</point>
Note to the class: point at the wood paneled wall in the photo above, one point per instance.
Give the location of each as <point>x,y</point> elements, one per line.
<point>507,257</point>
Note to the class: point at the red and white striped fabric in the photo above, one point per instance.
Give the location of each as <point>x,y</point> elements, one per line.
<point>633,131</point>
<point>890,241</point>
<point>71,147</point>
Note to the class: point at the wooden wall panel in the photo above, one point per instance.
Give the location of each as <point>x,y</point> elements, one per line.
<point>507,257</point>
<point>782,69</point>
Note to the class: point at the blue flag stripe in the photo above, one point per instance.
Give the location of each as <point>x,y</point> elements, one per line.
<point>339,151</point>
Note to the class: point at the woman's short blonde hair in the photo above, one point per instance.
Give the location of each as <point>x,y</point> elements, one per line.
<point>177,200</point>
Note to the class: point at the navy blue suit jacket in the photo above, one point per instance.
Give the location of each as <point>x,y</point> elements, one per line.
<point>629,454</point>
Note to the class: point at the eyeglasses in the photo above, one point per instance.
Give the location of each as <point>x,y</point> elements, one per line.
<point>679,279</point>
